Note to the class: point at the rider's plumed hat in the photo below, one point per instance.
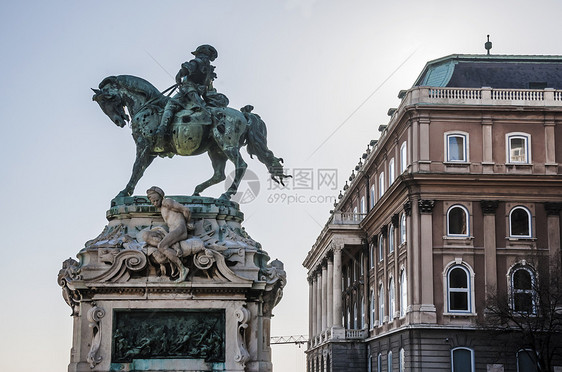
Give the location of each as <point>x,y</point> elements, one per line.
<point>207,50</point>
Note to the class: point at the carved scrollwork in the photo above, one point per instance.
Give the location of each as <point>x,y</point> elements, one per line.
<point>70,271</point>
<point>242,355</point>
<point>94,317</point>
<point>204,260</point>
<point>125,261</point>
<point>276,279</point>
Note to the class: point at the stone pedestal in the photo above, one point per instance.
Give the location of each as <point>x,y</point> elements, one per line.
<point>131,313</point>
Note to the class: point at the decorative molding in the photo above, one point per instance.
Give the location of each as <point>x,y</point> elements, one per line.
<point>94,317</point>
<point>125,261</point>
<point>489,206</point>
<point>553,208</point>
<point>384,230</point>
<point>395,219</point>
<point>242,355</point>
<point>408,208</point>
<point>426,206</point>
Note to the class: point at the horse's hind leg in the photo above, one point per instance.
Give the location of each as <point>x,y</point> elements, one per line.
<point>233,154</point>
<point>218,160</point>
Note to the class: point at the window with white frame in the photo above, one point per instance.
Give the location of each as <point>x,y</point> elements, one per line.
<point>363,205</point>
<point>402,228</point>
<point>457,221</point>
<point>458,290</point>
<point>372,308</point>
<point>381,304</point>
<point>462,359</point>
<point>381,184</point>
<point>355,314</point>
<point>526,362</point>
<point>389,361</point>
<point>402,360</point>
<point>403,292</point>
<point>523,295</point>
<point>355,216</point>
<point>403,157</point>
<point>372,199</point>
<point>379,362</point>
<point>520,222</point>
<point>372,255</point>
<point>381,247</point>
<point>391,299</point>
<point>518,148</point>
<point>391,239</point>
<point>456,147</point>
<point>391,172</point>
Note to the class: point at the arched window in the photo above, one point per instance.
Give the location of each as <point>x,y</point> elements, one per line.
<point>372,255</point>
<point>390,172</point>
<point>372,198</point>
<point>403,157</point>
<point>520,222</point>
<point>381,304</point>
<point>402,360</point>
<point>362,311</point>
<point>389,361</point>
<point>403,293</point>
<point>523,295</point>
<point>363,205</point>
<point>372,308</point>
<point>458,290</point>
<point>402,228</point>
<point>391,239</point>
<point>391,299</point>
<point>381,247</point>
<point>379,362</point>
<point>457,221</point>
<point>462,359</point>
<point>355,314</point>
<point>381,184</point>
<point>526,362</point>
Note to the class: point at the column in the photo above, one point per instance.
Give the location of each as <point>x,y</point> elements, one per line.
<point>330,294</point>
<point>310,307</point>
<point>415,145</point>
<point>319,302</point>
<point>490,270</point>
<point>324,296</point>
<point>427,308</point>
<point>314,304</point>
<point>424,144</point>
<point>553,234</point>
<point>337,307</point>
<point>550,145</point>
<point>487,145</point>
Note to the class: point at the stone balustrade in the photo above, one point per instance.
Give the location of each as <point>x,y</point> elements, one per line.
<point>347,218</point>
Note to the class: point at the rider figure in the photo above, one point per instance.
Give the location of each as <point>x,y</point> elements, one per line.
<point>194,79</point>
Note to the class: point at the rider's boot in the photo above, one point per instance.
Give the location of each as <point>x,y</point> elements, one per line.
<point>161,132</point>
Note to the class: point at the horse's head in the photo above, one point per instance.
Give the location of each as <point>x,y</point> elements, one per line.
<point>111,101</point>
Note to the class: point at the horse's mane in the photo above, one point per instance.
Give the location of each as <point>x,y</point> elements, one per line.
<point>137,85</point>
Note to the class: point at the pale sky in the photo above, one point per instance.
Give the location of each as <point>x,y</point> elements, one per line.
<point>305,65</point>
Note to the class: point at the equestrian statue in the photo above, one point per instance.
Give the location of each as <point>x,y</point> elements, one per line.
<point>195,120</point>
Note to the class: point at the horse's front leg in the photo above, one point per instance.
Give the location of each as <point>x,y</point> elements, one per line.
<point>143,160</point>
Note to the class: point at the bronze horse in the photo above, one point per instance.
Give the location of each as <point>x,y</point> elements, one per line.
<point>190,133</point>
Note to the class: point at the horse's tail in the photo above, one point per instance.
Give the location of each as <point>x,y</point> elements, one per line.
<point>256,140</point>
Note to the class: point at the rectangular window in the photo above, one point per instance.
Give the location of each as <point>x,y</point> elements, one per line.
<point>372,200</point>
<point>456,148</point>
<point>518,148</point>
<point>381,184</point>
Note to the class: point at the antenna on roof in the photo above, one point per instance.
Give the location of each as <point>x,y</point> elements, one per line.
<point>488,45</point>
